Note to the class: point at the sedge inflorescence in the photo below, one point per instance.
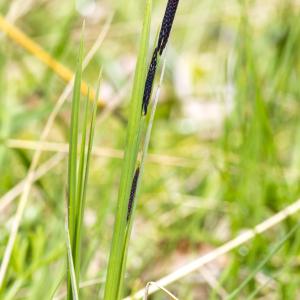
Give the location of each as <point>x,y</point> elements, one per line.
<point>163,38</point>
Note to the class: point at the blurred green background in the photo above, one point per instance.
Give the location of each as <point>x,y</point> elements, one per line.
<point>224,153</point>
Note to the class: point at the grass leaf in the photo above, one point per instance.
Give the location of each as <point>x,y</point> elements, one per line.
<point>71,265</point>
<point>113,285</point>
<point>275,249</point>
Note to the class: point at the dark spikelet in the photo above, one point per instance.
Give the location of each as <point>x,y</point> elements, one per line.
<point>167,24</point>
<point>149,81</point>
<point>132,192</point>
<point>163,38</point>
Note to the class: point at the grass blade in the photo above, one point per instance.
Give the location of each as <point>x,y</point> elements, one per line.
<point>113,280</point>
<point>72,170</point>
<point>78,172</point>
<point>79,191</point>
<point>277,247</point>
<point>144,153</point>
<point>71,268</point>
<point>83,172</point>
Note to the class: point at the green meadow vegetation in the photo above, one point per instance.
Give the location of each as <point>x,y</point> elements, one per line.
<point>194,195</point>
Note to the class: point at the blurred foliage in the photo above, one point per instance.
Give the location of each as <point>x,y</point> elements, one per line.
<point>229,105</point>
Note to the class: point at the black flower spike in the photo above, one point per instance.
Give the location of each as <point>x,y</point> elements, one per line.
<point>163,38</point>
<point>149,81</point>
<point>167,24</point>
<point>132,192</point>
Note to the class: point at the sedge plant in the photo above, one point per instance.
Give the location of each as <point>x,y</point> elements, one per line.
<point>137,141</point>
<point>116,258</point>
<point>78,169</point>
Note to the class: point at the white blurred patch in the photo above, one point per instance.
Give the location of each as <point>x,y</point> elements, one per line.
<point>106,90</point>
<point>86,8</point>
<point>127,63</point>
<point>204,107</point>
<point>183,77</point>
<point>90,218</point>
<point>205,117</point>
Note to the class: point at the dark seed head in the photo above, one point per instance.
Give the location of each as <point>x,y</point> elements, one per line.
<point>163,38</point>
<point>132,192</point>
<point>149,81</point>
<point>167,24</point>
